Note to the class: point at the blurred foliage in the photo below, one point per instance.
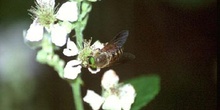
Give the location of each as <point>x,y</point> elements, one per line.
<point>146,87</point>
<point>17,84</point>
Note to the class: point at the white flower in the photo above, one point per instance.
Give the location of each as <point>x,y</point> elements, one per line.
<point>127,96</point>
<point>68,12</point>
<point>90,96</point>
<point>71,49</point>
<point>72,69</point>
<point>45,18</point>
<point>43,15</point>
<point>35,32</point>
<point>116,96</point>
<point>44,12</point>
<point>109,79</point>
<point>58,35</point>
<point>112,102</point>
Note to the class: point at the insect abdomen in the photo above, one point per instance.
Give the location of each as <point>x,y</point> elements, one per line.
<point>115,56</point>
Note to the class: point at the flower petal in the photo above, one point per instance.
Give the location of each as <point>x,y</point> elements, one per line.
<point>47,3</point>
<point>94,71</point>
<point>72,69</point>
<point>94,100</point>
<point>58,35</point>
<point>35,32</point>
<point>68,12</point>
<point>127,96</point>
<point>112,102</point>
<point>97,45</point>
<point>109,79</point>
<point>71,49</point>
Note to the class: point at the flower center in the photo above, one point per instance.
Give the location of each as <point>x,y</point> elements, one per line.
<point>45,14</point>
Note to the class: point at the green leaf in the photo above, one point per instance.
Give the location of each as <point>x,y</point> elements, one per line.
<point>147,87</point>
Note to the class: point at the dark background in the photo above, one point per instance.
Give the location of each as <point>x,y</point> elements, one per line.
<point>175,39</point>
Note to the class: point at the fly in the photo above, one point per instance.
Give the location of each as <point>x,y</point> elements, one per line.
<point>112,53</point>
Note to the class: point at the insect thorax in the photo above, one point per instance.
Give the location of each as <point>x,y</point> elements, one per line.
<point>102,59</point>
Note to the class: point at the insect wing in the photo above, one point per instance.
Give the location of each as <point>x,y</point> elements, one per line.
<point>126,57</point>
<point>120,39</point>
<point>116,43</point>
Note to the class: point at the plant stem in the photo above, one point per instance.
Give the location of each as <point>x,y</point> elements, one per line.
<point>80,26</point>
<point>77,93</point>
<point>79,36</point>
<point>77,82</point>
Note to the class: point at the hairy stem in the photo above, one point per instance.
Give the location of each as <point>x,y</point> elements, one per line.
<point>76,85</point>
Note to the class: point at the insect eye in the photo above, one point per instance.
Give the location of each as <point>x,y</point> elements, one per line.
<point>91,60</point>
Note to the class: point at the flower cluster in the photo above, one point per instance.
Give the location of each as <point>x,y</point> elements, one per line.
<point>115,96</point>
<point>46,19</point>
<point>49,30</point>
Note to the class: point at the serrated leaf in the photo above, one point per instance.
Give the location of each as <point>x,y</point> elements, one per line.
<point>147,87</point>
